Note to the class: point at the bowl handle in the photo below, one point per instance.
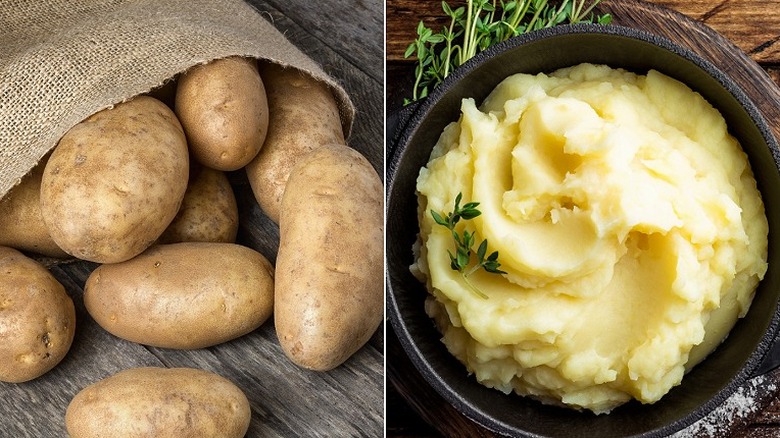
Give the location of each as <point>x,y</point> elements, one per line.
<point>396,123</point>
<point>770,361</point>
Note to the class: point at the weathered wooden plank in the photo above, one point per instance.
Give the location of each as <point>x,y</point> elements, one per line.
<point>769,416</point>
<point>774,73</point>
<point>352,29</point>
<point>402,19</point>
<point>753,25</point>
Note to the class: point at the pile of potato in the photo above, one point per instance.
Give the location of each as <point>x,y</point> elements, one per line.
<point>141,189</point>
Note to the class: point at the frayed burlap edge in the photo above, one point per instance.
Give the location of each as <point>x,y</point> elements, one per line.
<point>61,61</point>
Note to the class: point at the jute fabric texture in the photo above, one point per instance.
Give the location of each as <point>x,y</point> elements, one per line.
<point>62,60</point>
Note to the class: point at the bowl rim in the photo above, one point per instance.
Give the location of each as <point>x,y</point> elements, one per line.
<point>414,114</point>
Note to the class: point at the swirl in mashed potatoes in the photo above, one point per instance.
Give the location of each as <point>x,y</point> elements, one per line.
<point>628,222</point>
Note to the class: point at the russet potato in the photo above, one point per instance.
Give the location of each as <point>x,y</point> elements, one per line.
<point>223,108</point>
<point>115,181</point>
<point>303,116</point>
<point>159,403</point>
<point>183,295</point>
<point>208,213</point>
<point>37,318</point>
<point>329,277</point>
<point>21,221</point>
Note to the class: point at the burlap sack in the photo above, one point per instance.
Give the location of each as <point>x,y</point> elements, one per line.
<point>63,60</point>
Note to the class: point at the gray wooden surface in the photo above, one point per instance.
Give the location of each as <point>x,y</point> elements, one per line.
<point>346,39</point>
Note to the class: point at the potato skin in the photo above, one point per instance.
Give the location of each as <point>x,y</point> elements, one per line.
<point>329,270</point>
<point>303,116</point>
<point>21,221</point>
<point>223,108</point>
<point>37,318</point>
<point>159,403</point>
<point>183,295</point>
<point>209,212</point>
<point>115,181</point>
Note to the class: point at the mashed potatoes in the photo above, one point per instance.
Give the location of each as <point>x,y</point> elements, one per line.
<point>627,220</point>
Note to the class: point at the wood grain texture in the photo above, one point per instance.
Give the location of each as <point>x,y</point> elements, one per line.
<point>745,25</point>
<point>286,400</point>
<point>359,45</point>
<point>753,25</point>
<point>402,19</point>
<point>774,73</point>
<point>766,422</point>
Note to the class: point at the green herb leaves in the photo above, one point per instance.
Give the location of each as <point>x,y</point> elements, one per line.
<point>481,24</point>
<point>465,242</point>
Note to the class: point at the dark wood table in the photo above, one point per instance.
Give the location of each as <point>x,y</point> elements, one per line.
<point>346,39</point>
<point>413,408</point>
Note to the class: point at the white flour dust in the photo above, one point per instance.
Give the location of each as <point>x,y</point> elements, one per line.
<point>741,404</point>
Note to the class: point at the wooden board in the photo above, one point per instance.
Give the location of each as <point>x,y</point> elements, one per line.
<point>753,411</point>
<point>752,25</point>
<point>286,400</point>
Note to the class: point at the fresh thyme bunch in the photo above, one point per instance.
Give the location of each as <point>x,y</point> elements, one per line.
<point>482,23</point>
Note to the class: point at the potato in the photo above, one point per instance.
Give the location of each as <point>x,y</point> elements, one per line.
<point>37,318</point>
<point>303,116</point>
<point>159,403</point>
<point>223,109</point>
<point>183,295</point>
<point>21,222</point>
<point>115,181</point>
<point>329,270</point>
<point>209,212</point>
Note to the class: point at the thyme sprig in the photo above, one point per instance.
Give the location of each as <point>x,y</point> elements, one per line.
<point>465,242</point>
<point>483,23</point>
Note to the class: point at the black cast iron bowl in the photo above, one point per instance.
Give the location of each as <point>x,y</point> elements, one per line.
<point>746,352</point>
